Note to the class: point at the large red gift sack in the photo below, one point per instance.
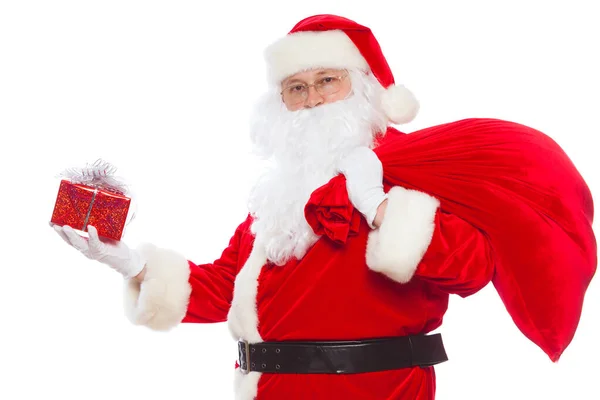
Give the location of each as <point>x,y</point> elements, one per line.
<point>518,187</point>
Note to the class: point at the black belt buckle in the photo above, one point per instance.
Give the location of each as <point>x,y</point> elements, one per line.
<point>244,354</point>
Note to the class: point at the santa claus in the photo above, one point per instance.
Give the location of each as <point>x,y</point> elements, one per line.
<point>316,317</point>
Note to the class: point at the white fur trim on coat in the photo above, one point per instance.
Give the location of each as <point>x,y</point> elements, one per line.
<point>242,319</point>
<point>396,248</point>
<point>245,386</point>
<point>306,50</point>
<point>160,302</point>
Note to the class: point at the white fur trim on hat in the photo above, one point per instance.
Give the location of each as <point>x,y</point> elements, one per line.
<point>399,104</point>
<point>306,50</point>
<point>160,302</point>
<point>396,248</point>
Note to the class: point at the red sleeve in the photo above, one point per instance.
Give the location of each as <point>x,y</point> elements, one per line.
<point>212,284</point>
<point>458,258</point>
<point>417,239</point>
<point>176,290</point>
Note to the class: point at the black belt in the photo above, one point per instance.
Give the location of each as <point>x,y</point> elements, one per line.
<point>342,357</point>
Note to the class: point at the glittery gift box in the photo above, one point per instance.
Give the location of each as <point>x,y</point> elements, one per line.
<point>79,205</point>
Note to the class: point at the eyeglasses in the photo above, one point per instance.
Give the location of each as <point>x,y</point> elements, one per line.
<point>326,86</point>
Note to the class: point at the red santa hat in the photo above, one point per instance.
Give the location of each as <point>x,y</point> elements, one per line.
<point>330,41</point>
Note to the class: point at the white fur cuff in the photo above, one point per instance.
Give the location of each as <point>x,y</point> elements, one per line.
<point>397,247</point>
<point>161,301</point>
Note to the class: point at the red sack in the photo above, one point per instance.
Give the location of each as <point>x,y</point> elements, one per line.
<point>518,187</point>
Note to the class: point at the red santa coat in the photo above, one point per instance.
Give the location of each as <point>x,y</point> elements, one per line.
<point>512,209</point>
<point>391,281</point>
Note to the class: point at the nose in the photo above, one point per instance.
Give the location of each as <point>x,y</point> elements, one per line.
<point>313,98</point>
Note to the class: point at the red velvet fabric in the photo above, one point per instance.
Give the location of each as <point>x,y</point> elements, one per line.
<point>331,294</point>
<point>513,208</point>
<point>518,187</point>
<point>330,213</point>
<point>212,283</point>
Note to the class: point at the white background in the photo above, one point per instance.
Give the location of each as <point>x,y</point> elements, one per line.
<point>164,90</point>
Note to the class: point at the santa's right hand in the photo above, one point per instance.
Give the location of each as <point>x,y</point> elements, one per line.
<point>116,255</point>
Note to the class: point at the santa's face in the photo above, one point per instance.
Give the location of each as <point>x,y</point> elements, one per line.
<point>303,148</point>
<point>315,87</point>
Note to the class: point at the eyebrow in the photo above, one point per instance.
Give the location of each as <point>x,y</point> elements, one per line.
<point>320,73</point>
<point>293,81</point>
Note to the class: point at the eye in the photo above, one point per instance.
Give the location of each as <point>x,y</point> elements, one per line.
<point>297,88</point>
<point>328,79</point>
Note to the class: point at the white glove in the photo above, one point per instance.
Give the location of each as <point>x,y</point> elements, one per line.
<point>116,255</point>
<point>364,181</point>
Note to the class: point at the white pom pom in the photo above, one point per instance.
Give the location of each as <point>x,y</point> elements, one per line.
<point>399,104</point>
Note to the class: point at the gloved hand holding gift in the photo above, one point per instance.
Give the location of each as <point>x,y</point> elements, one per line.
<point>92,200</point>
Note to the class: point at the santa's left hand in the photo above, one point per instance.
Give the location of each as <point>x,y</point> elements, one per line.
<point>364,181</point>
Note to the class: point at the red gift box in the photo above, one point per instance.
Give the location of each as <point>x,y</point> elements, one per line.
<point>79,205</point>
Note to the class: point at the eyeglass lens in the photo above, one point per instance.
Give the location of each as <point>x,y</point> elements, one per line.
<point>325,86</point>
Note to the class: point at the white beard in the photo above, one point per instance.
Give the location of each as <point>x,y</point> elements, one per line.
<point>304,148</point>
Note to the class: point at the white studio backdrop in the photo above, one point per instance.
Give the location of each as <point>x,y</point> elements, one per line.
<point>164,91</point>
